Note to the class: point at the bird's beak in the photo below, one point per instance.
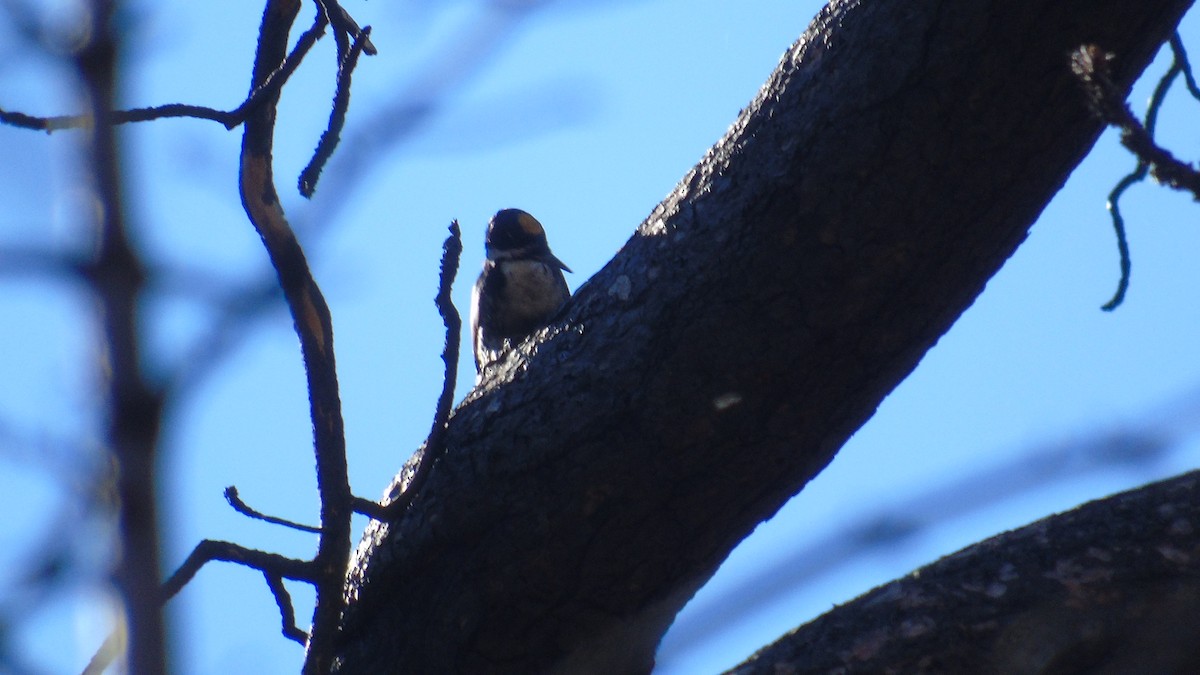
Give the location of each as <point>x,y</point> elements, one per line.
<point>550,258</point>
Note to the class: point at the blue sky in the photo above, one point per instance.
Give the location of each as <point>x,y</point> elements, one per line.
<point>586,114</point>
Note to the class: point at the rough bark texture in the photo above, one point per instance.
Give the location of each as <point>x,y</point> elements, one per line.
<point>1111,587</point>
<point>891,164</point>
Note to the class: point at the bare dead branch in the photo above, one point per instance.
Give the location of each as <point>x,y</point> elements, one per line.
<point>370,508</point>
<point>274,568</point>
<point>345,28</point>
<point>1179,55</point>
<point>1091,65</point>
<point>435,444</point>
<point>287,615</point>
<point>390,124</point>
<point>337,118</point>
<point>314,327</point>
<point>210,550</point>
<point>231,496</point>
<point>451,255</point>
<point>342,22</point>
<point>119,278</point>
<point>229,119</point>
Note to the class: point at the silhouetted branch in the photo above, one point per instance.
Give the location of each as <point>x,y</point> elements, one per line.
<point>119,280</point>
<point>1091,65</point>
<point>287,615</point>
<point>210,550</point>
<point>337,118</point>
<point>273,566</point>
<point>1179,54</point>
<point>314,327</point>
<point>231,496</point>
<point>345,28</point>
<point>370,508</point>
<point>435,444</point>
<point>229,119</point>
<point>412,104</point>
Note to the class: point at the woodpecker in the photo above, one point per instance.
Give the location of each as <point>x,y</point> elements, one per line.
<point>520,288</point>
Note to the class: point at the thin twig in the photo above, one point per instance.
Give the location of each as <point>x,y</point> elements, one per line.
<point>229,119</point>
<point>287,615</point>
<point>344,26</point>
<point>210,550</point>
<point>337,118</point>
<point>435,445</point>
<point>1090,64</point>
<point>1113,204</point>
<point>1179,54</point>
<point>280,75</point>
<point>231,496</point>
<point>273,567</point>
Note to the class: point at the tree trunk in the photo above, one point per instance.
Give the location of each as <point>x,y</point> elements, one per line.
<point>857,207</point>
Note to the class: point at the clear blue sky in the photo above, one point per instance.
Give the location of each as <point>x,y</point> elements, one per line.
<point>585,114</point>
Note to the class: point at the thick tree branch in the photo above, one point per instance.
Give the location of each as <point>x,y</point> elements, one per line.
<point>889,167</point>
<point>1109,587</point>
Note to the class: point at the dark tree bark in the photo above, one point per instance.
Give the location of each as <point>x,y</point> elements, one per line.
<point>889,167</point>
<point>1111,587</point>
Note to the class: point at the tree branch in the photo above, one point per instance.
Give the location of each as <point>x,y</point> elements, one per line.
<point>314,327</point>
<point>209,550</point>
<point>287,615</point>
<point>1112,583</point>
<point>435,443</point>
<point>757,318</point>
<point>337,118</point>
<point>273,566</point>
<point>133,408</point>
<point>231,496</point>
<point>269,87</point>
<point>1090,65</point>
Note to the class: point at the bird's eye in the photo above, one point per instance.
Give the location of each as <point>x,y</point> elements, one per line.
<point>530,224</point>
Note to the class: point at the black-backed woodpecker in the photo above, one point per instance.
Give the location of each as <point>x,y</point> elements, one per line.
<point>520,288</point>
